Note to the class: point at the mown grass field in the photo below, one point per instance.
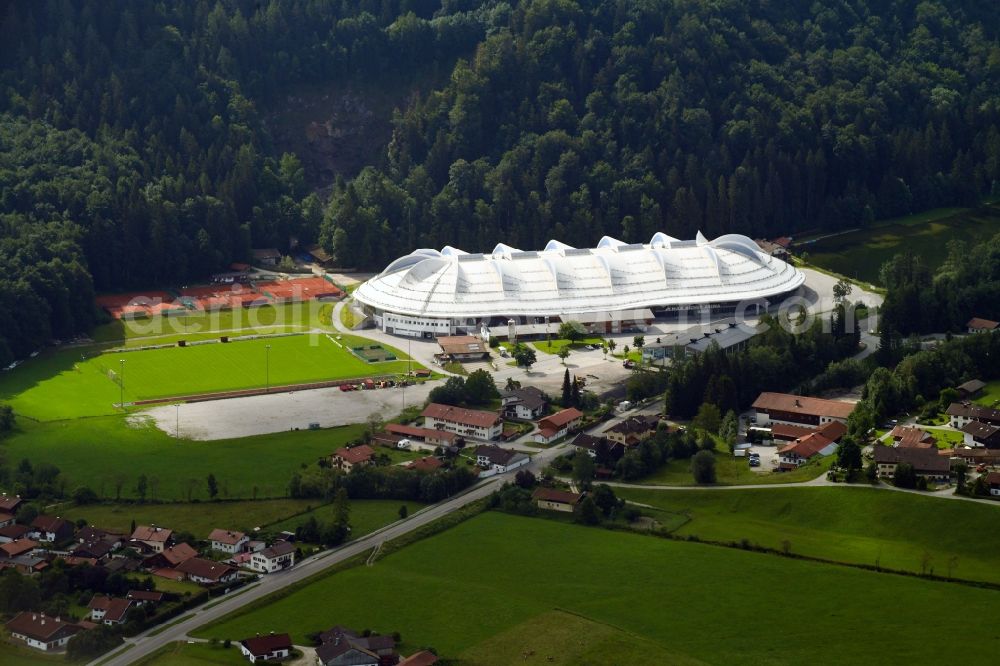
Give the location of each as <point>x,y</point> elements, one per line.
<point>366,515</point>
<point>492,577</point>
<point>99,452</point>
<point>555,345</point>
<point>64,385</point>
<point>730,471</point>
<point>860,254</point>
<point>193,654</point>
<point>990,395</point>
<point>856,525</point>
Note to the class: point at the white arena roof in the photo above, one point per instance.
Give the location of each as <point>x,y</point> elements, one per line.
<point>564,280</point>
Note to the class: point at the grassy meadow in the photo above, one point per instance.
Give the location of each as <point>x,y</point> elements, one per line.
<point>500,582</point>
<point>860,254</point>
<point>855,525</point>
<point>100,452</point>
<point>730,471</point>
<point>193,654</point>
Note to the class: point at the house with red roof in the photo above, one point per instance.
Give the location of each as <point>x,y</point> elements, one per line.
<point>227,541</point>
<point>266,648</point>
<point>40,632</point>
<point>557,425</point>
<point>156,538</point>
<point>346,459</point>
<point>551,499</point>
<point>799,409</point>
<point>980,325</point>
<point>109,610</point>
<point>425,464</point>
<point>461,421</point>
<point>206,572</point>
<point>799,451</point>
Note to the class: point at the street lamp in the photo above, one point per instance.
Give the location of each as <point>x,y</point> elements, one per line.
<point>267,368</point>
<point>121,383</point>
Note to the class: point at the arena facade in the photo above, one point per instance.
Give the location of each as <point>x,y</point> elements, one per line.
<point>614,287</point>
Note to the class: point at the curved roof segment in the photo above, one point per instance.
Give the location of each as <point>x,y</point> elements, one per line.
<point>564,280</point>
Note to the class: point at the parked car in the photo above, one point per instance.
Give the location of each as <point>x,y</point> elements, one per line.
<point>347,387</point>
<point>754,462</point>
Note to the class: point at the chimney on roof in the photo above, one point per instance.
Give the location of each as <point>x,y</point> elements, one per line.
<point>797,403</point>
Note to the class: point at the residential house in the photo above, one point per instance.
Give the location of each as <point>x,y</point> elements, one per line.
<point>143,597</point>
<point>422,658</point>
<point>525,403</point>
<point>977,433</point>
<point>95,550</point>
<point>961,413</point>
<point>170,557</point>
<point>799,410</point>
<point>776,248</point>
<point>347,459</point>
<point>13,532</point>
<point>7,519</point>
<point>800,451</point>
<point>912,437</point>
<point>430,436</point>
<point>425,464</point>
<point>557,425</point>
<point>979,325</point>
<point>632,430</point>
<point>463,348</point>
<point>278,556</point>
<point>598,447</point>
<point>556,500</point>
<point>993,481</point>
<point>207,572</point>
<point>340,646</point>
<point>156,538</point>
<point>494,460</point>
<point>786,432</point>
<point>41,632</point>
<point>91,534</point>
<point>227,541</point>
<point>466,422</point>
<point>13,549</point>
<point>266,648</point>
<point>26,565</point>
<point>926,462</point>
<point>51,529</point>
<point>267,256</point>
<point>973,457</point>
<point>109,610</point>
<point>10,504</point>
<point>970,389</point>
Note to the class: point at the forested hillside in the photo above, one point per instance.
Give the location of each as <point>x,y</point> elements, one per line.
<point>133,150</point>
<point>131,144</point>
<point>588,118</point>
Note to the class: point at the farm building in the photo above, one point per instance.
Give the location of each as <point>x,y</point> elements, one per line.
<point>799,409</point>
<point>609,288</point>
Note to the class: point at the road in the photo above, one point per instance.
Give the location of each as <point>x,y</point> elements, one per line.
<point>145,644</point>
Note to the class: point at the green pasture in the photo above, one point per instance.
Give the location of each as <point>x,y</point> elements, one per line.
<point>555,345</point>
<point>856,525</point>
<point>197,518</point>
<point>102,452</point>
<point>730,471</point>
<point>183,653</point>
<point>72,383</point>
<point>860,254</point>
<point>366,515</point>
<point>496,575</point>
<point>990,395</point>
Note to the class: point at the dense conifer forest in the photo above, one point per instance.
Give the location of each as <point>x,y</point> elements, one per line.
<point>133,149</point>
